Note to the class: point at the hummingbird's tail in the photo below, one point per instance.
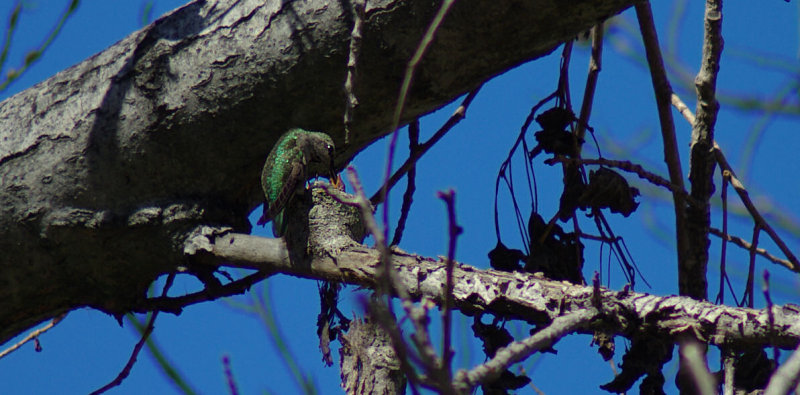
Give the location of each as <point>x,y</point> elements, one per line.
<point>279,225</point>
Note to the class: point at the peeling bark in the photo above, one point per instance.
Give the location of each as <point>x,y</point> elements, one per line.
<point>522,296</point>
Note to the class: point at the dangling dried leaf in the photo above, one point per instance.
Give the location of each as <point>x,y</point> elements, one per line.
<point>559,142</point>
<point>506,259</point>
<point>557,254</point>
<point>608,189</point>
<point>555,118</point>
<point>574,188</point>
<point>554,138</point>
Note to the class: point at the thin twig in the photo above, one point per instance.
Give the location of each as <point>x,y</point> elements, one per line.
<point>770,313</point>
<point>169,370</point>
<point>411,67</point>
<point>13,18</point>
<point>682,108</point>
<point>563,77</point>
<point>744,196</point>
<point>505,174</point>
<point>744,244</point>
<point>34,334</point>
<point>35,54</point>
<point>723,254</point>
<point>453,231</point>
<point>629,167</point>
<point>436,372</point>
<point>519,350</point>
<point>233,389</point>
<point>408,196</point>
<point>752,267</point>
<point>352,61</point>
<point>595,65</point>
<point>663,92</point>
<point>138,347</point>
<point>176,304</point>
<point>386,280</point>
<point>455,118</point>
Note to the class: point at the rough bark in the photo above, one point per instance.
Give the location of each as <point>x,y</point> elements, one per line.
<point>529,297</point>
<point>368,361</point>
<point>105,166</point>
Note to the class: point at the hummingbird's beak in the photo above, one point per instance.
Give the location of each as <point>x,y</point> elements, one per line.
<point>336,181</point>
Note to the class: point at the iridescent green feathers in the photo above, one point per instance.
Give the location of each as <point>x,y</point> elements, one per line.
<point>298,156</point>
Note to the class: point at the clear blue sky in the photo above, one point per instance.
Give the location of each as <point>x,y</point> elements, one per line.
<point>89,348</point>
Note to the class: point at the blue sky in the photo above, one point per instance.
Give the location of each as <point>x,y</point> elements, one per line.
<point>89,348</point>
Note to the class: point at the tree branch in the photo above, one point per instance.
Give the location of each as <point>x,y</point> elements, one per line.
<point>108,163</point>
<point>702,163</point>
<point>528,297</point>
<point>663,93</point>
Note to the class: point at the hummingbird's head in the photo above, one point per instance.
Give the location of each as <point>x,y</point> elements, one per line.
<point>320,154</point>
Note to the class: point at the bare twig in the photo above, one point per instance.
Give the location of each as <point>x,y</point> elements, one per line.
<point>33,335</point>
<point>408,77</point>
<point>176,304</point>
<point>454,119</point>
<point>35,54</point>
<point>563,77</point>
<point>682,108</point>
<point>663,93</point>
<point>138,347</point>
<point>744,244</point>
<point>437,374</point>
<point>785,379</point>
<point>793,264</point>
<point>453,231</point>
<point>519,350</point>
<point>352,62</point>
<point>408,196</point>
<point>379,308</point>
<point>770,314</point>
<point>595,65</point>
<point>752,267</point>
<point>694,359</point>
<point>629,167</point>
<point>386,274</point>
<point>723,275</point>
<point>13,18</point>
<point>744,196</point>
<point>226,366</point>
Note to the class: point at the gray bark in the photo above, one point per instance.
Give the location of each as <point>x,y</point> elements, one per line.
<point>105,166</point>
<point>521,296</point>
<point>368,361</point>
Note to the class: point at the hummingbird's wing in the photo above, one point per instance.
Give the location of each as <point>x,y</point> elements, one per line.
<point>274,211</point>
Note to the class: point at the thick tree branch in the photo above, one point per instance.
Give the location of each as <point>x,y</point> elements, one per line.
<point>106,165</point>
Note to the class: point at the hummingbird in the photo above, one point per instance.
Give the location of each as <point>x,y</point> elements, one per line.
<point>299,156</point>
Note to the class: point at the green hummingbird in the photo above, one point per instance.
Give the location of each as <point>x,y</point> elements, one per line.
<point>298,156</point>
